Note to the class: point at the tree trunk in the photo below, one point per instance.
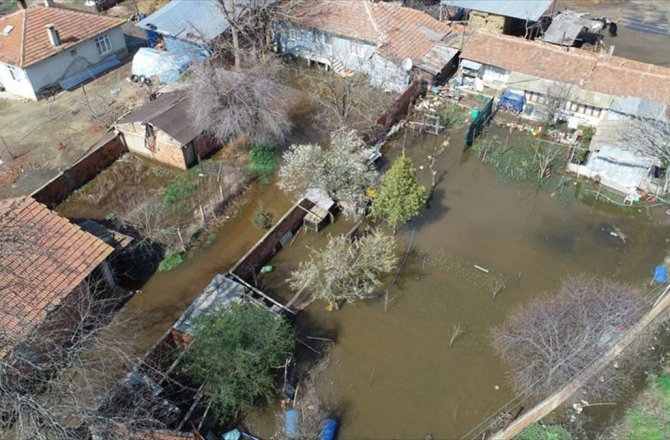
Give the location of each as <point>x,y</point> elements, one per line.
<point>236,48</point>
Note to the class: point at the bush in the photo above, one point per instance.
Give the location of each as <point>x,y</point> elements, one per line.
<point>262,218</point>
<point>170,262</point>
<point>234,351</point>
<point>263,160</point>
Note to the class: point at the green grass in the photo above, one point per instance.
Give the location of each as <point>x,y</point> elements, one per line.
<point>650,418</point>
<point>211,238</point>
<point>548,432</point>
<point>171,261</point>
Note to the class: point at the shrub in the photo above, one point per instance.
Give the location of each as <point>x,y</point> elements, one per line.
<point>234,351</point>
<point>262,218</point>
<point>171,261</point>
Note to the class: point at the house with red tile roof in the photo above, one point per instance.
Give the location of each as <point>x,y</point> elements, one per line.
<point>47,269</point>
<point>48,45</point>
<point>595,86</point>
<point>386,41</point>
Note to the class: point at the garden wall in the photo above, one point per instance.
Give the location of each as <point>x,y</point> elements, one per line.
<point>394,114</point>
<point>268,246</point>
<point>60,187</point>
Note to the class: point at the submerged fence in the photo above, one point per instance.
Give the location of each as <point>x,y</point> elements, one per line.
<point>478,124</point>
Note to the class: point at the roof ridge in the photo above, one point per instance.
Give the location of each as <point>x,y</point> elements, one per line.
<point>23,37</point>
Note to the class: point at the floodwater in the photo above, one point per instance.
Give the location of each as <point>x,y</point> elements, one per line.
<point>393,373</point>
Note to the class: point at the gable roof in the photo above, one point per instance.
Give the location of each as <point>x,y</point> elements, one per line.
<point>44,257</point>
<point>522,9</point>
<point>169,112</point>
<point>28,42</point>
<point>197,21</point>
<point>398,32</point>
<point>594,72</point>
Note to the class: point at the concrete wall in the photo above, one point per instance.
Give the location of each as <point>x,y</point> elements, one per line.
<point>74,60</point>
<point>19,85</point>
<point>85,169</point>
<point>359,56</point>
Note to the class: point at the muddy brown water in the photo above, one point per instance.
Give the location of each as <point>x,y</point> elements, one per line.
<point>393,374</point>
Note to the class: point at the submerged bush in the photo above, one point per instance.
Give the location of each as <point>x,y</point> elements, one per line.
<point>171,261</point>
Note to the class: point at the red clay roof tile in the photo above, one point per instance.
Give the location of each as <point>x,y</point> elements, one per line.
<point>28,42</point>
<point>44,258</point>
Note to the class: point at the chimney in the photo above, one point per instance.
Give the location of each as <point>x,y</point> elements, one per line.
<point>49,3</point>
<point>23,4</point>
<point>53,35</point>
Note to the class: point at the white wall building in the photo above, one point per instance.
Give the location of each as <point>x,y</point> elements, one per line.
<point>44,46</point>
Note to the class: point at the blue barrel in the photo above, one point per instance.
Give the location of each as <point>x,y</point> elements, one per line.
<point>292,423</point>
<point>329,430</point>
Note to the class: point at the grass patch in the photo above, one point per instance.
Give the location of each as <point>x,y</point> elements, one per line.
<point>171,261</point>
<point>180,188</point>
<point>544,432</point>
<point>649,419</point>
<point>528,161</point>
<point>263,160</point>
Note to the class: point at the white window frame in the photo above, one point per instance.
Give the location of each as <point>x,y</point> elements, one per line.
<point>103,44</point>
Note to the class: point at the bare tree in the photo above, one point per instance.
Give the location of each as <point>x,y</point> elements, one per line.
<point>231,104</point>
<point>650,137</point>
<point>346,270</point>
<point>557,97</point>
<point>550,340</point>
<point>50,379</point>
<point>346,101</point>
<point>342,171</point>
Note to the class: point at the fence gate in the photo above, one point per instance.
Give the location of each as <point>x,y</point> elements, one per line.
<point>478,124</point>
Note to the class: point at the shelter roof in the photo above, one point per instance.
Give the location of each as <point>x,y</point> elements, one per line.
<point>523,9</point>
<point>28,42</point>
<point>198,21</point>
<point>398,32</point>
<point>44,258</point>
<point>566,27</point>
<point>169,112</point>
<point>219,294</point>
<point>594,72</point>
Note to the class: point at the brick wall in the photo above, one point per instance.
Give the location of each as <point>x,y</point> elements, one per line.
<point>267,246</point>
<point>80,172</point>
<point>397,111</point>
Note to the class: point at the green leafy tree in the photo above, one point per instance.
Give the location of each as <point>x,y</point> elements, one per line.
<point>233,353</point>
<point>400,196</point>
<point>263,160</point>
<point>346,270</point>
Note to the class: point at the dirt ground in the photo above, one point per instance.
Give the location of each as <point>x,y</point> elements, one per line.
<point>39,139</point>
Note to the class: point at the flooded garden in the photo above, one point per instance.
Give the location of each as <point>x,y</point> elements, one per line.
<point>419,360</point>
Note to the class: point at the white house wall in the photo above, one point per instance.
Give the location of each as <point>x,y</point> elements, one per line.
<point>77,59</point>
<point>19,85</point>
<point>356,55</point>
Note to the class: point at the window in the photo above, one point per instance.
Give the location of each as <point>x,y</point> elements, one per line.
<point>13,72</point>
<point>327,38</point>
<point>103,44</point>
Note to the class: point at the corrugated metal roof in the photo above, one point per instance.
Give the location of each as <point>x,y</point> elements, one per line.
<point>169,112</point>
<point>569,92</point>
<point>639,107</point>
<point>219,294</point>
<point>566,27</point>
<point>197,21</point>
<point>523,9</point>
<point>436,58</point>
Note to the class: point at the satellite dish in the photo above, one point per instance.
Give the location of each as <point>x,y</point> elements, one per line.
<point>407,64</point>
